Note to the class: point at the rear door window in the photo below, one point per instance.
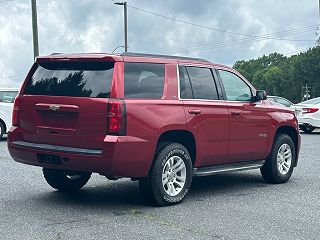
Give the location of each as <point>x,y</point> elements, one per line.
<point>143,80</point>
<point>74,79</point>
<point>185,85</point>
<point>202,82</point>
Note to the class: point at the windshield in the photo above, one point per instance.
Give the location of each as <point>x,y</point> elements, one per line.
<point>8,96</point>
<point>74,79</point>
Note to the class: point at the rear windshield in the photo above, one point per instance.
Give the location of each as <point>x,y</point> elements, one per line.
<point>8,96</point>
<point>74,79</point>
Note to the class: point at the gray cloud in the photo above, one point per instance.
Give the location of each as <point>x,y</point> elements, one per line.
<point>99,27</point>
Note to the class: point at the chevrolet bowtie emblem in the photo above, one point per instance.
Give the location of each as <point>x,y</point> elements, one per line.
<point>54,107</point>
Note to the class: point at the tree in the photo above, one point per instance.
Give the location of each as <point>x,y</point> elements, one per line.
<point>283,76</point>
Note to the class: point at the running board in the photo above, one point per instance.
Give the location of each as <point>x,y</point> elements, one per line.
<point>205,171</point>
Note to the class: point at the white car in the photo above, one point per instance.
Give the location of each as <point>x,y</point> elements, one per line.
<point>308,114</point>
<point>7,96</point>
<point>280,100</point>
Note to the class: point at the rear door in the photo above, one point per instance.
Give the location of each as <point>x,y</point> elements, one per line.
<point>65,103</point>
<point>207,115</point>
<point>248,120</point>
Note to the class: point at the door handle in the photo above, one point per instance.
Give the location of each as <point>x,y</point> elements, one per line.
<point>194,111</point>
<point>236,114</point>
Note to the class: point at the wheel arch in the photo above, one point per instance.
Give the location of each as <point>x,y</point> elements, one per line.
<point>183,137</point>
<point>292,132</point>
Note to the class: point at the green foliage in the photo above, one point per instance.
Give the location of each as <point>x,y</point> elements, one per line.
<point>284,76</point>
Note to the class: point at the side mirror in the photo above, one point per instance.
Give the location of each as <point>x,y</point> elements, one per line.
<point>260,95</point>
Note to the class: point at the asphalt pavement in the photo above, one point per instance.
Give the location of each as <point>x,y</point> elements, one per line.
<point>225,206</point>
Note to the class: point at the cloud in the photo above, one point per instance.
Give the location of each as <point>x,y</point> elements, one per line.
<point>98,26</point>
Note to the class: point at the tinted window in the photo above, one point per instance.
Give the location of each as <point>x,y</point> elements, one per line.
<point>143,80</point>
<point>75,79</point>
<point>236,89</point>
<point>202,83</point>
<point>8,96</point>
<point>185,86</point>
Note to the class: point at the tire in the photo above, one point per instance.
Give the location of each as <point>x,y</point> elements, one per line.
<point>307,129</point>
<point>279,166</point>
<point>170,176</point>
<point>65,181</point>
<point>2,130</point>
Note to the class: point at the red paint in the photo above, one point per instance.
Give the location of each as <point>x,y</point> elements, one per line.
<point>224,132</point>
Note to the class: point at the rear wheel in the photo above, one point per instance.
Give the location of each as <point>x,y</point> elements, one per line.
<point>2,131</point>
<point>170,176</point>
<point>307,129</point>
<point>279,165</point>
<point>65,180</point>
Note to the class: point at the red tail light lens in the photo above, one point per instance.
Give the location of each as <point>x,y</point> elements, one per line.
<point>309,110</point>
<point>116,117</point>
<point>15,113</point>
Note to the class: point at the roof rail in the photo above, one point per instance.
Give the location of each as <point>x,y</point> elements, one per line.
<point>133,54</point>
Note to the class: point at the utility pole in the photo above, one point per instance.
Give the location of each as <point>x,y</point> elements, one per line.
<point>306,95</point>
<point>124,4</point>
<point>35,29</point>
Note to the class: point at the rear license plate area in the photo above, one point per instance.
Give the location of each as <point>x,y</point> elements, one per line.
<point>48,158</point>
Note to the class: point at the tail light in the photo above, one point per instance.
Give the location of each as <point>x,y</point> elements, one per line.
<point>116,117</point>
<point>309,110</point>
<point>15,113</point>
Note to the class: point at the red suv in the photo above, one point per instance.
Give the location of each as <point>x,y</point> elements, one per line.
<point>157,119</point>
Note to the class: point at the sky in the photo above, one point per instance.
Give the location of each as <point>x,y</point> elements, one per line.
<point>222,31</point>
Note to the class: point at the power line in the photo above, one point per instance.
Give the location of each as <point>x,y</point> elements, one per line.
<point>74,34</point>
<point>248,37</point>
<point>232,43</point>
<point>13,75</point>
<point>198,25</point>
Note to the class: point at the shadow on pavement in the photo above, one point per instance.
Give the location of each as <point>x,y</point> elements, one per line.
<point>122,193</point>
<point>312,133</point>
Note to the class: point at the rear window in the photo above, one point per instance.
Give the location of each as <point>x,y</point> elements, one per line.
<point>8,96</point>
<point>74,79</point>
<point>143,80</point>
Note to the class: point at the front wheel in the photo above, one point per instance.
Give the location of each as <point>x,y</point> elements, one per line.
<point>278,167</point>
<point>170,176</point>
<point>65,180</point>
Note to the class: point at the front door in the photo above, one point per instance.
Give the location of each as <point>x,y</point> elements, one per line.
<point>248,120</point>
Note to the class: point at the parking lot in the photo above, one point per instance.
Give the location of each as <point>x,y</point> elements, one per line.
<point>224,206</point>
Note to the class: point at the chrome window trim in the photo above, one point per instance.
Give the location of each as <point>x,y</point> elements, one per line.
<point>194,99</point>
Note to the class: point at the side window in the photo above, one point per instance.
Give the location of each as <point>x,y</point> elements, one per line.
<point>202,83</point>
<point>185,86</point>
<point>8,97</point>
<point>236,89</point>
<point>143,80</point>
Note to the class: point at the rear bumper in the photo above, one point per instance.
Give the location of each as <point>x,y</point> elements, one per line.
<point>121,156</point>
